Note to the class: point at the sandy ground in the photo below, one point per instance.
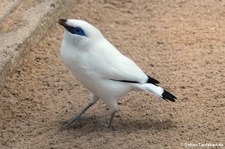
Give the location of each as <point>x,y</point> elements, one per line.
<point>181,43</point>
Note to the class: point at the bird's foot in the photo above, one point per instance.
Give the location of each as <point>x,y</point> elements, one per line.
<point>108,125</point>
<point>71,122</point>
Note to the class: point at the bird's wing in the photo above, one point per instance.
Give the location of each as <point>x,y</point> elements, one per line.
<point>115,66</point>
<point>125,70</point>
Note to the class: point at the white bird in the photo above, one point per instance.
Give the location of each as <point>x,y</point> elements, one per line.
<point>101,68</point>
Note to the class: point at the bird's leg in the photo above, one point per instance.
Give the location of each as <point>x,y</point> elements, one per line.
<point>77,117</point>
<point>109,124</point>
<point>114,108</point>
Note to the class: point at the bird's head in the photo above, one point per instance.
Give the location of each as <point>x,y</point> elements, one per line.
<point>79,32</point>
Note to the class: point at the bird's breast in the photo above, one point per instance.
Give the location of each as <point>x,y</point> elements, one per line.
<point>79,63</point>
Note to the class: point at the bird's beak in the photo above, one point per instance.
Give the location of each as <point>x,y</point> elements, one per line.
<point>62,22</point>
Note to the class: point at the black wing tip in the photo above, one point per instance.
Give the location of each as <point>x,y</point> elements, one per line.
<point>168,96</point>
<point>153,81</point>
<point>125,81</point>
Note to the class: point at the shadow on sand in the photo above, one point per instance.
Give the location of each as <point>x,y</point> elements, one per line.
<point>92,124</point>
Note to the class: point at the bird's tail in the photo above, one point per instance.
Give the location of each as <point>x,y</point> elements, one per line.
<point>158,91</point>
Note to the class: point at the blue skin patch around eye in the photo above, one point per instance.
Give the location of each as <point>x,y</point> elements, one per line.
<point>76,30</point>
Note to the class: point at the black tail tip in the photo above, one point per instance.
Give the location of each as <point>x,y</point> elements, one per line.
<point>168,96</point>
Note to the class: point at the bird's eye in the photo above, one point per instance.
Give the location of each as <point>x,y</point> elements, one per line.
<point>76,30</point>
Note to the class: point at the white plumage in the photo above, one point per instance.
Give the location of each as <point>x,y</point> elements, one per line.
<point>100,67</point>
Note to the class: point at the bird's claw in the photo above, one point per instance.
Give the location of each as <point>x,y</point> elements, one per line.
<point>108,125</point>
<point>71,122</point>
